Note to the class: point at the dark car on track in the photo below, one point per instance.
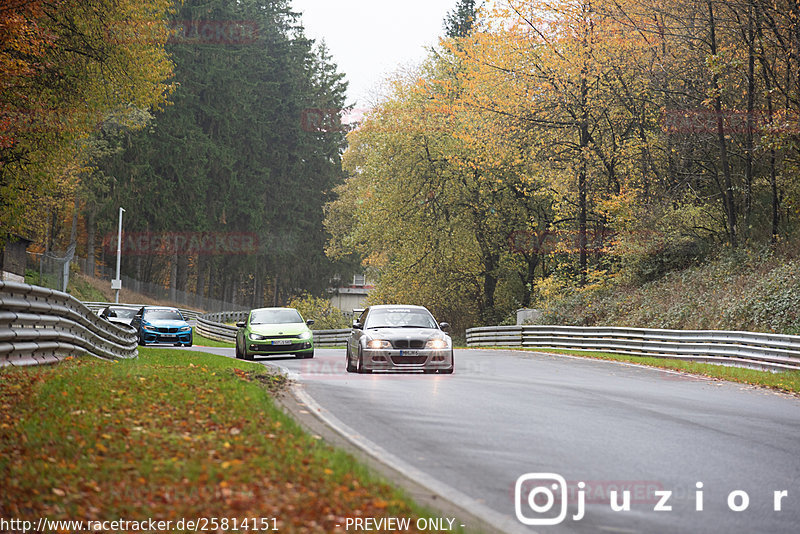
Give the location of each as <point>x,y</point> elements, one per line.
<point>399,338</point>
<point>160,324</point>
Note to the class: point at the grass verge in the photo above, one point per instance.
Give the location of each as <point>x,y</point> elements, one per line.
<point>172,435</point>
<point>788,381</point>
<point>207,342</point>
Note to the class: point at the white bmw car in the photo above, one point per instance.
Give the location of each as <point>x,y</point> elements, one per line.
<point>399,338</point>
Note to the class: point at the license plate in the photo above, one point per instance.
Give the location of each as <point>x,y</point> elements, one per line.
<point>282,342</point>
<point>168,336</point>
<point>409,353</point>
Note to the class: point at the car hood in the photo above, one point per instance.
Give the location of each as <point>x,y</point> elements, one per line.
<point>390,334</point>
<point>167,323</point>
<point>290,329</point>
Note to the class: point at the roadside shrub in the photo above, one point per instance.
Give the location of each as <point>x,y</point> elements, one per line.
<point>740,290</point>
<point>663,258</point>
<point>325,315</point>
<point>774,303</point>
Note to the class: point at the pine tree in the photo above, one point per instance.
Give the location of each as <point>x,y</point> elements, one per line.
<point>459,21</point>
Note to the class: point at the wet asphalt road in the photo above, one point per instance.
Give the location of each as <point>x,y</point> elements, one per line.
<point>504,414</point>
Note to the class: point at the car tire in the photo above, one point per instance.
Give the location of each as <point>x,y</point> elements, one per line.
<point>142,342</point>
<point>360,365</point>
<point>178,344</point>
<point>310,354</point>
<point>449,370</point>
<point>190,343</point>
<point>350,367</point>
<point>238,352</point>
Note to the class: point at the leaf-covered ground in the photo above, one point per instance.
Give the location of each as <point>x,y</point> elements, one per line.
<point>168,436</point>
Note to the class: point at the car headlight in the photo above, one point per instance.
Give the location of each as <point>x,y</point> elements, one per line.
<point>186,329</point>
<point>305,335</point>
<point>147,326</point>
<point>437,344</point>
<point>257,337</point>
<point>378,344</point>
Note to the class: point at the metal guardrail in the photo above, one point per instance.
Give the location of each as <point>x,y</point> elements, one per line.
<point>212,326</point>
<point>190,315</point>
<point>39,326</point>
<point>773,352</point>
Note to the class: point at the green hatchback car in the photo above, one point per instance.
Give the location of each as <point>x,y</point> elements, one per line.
<point>274,331</point>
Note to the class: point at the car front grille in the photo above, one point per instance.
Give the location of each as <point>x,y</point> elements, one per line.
<point>164,330</point>
<point>408,343</point>
<point>266,347</point>
<point>409,360</point>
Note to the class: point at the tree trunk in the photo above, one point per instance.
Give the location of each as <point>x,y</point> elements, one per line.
<point>173,278</point>
<point>182,272</point>
<point>773,178</point>
<point>90,242</point>
<point>751,90</point>
<point>582,179</point>
<point>728,193</point>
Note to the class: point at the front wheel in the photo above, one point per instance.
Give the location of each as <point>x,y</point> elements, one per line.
<point>360,365</point>
<point>449,370</point>
<point>350,367</point>
<point>141,340</point>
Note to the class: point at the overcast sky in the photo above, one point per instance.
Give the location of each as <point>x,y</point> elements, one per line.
<point>370,39</point>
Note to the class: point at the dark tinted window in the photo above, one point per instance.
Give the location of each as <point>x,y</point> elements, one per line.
<point>124,313</point>
<point>276,316</point>
<point>163,315</point>
<point>400,318</point>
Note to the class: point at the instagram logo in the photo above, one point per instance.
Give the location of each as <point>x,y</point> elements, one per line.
<point>541,492</point>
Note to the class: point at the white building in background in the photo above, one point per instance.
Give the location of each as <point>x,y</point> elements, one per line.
<point>354,296</point>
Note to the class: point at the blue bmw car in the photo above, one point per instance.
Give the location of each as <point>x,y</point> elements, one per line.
<point>159,324</point>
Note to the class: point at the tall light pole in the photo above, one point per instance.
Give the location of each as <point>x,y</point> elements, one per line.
<point>116,284</point>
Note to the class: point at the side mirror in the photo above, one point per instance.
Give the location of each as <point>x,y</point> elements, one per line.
<point>357,325</point>
<point>310,322</point>
<point>240,324</point>
<point>445,327</point>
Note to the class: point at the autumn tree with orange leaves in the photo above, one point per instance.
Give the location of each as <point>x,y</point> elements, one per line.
<point>65,67</point>
<point>655,133</point>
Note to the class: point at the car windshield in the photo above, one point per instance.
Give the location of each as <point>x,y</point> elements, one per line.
<point>277,316</point>
<point>124,313</point>
<point>400,318</point>
<point>163,315</point>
